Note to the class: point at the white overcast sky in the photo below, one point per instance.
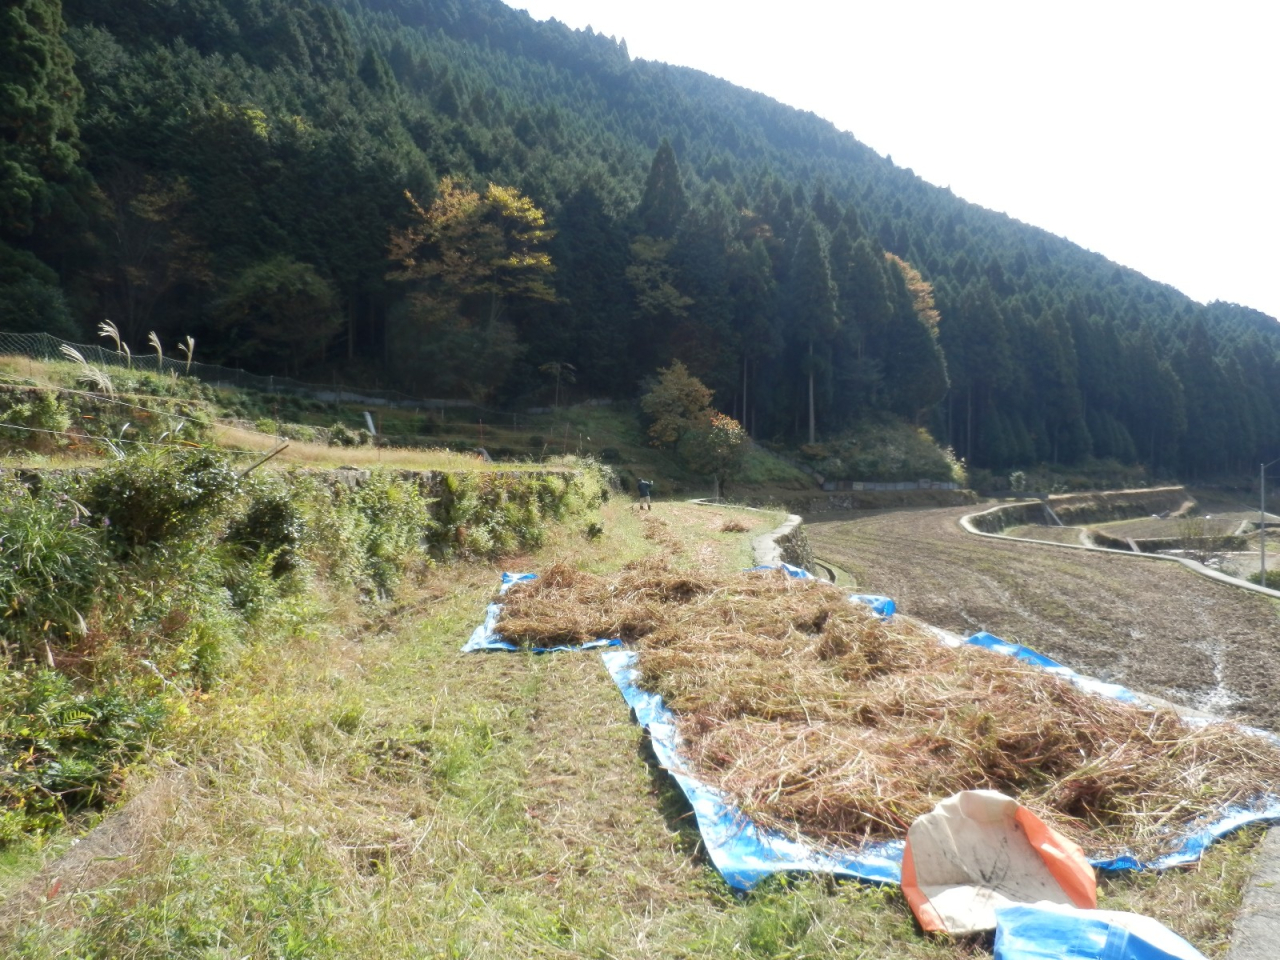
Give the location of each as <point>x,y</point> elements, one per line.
<point>1146,131</point>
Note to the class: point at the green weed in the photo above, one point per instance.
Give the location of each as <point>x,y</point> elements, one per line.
<point>62,749</point>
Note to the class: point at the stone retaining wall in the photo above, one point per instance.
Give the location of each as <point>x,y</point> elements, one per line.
<point>1079,509</point>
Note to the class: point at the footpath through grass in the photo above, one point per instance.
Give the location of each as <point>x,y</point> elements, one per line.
<point>366,790</point>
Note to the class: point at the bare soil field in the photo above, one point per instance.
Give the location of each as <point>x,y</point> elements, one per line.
<point>1155,528</point>
<point>1155,627</point>
<point>1032,531</point>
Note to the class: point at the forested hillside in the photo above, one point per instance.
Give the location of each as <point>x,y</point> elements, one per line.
<point>237,170</point>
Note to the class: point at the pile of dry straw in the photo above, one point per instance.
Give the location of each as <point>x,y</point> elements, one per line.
<point>816,716</point>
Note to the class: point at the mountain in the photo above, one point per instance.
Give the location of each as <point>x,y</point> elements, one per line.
<point>236,170</point>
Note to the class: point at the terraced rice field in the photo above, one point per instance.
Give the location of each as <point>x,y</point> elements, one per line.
<point>1153,626</point>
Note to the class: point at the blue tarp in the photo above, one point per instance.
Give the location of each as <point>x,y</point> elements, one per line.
<point>798,572</point>
<point>1052,932</point>
<point>881,605</point>
<point>1112,691</point>
<point>486,636</point>
<point>1193,839</point>
<point>743,853</point>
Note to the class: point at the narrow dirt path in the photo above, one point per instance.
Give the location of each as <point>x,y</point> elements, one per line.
<point>1154,627</point>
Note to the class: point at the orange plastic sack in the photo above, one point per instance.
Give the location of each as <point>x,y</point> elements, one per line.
<point>979,850</point>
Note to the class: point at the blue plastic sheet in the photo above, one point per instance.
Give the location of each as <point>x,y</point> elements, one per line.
<point>743,852</point>
<point>1051,932</point>
<point>881,605</point>
<point>1112,691</point>
<point>798,573</point>
<point>1196,839</point>
<point>486,637</point>
<point>1193,841</point>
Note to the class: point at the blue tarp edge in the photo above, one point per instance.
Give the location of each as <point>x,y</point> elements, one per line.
<point>486,637</point>
<point>1199,836</point>
<point>743,852</point>
<point>1045,931</point>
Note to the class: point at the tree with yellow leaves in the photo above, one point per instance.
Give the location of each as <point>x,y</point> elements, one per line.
<point>475,250</point>
<point>921,291</point>
<point>467,255</point>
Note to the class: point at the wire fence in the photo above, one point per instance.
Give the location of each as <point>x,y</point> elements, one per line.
<point>43,346</point>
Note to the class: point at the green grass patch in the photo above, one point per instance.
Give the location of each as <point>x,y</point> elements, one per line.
<point>362,789</point>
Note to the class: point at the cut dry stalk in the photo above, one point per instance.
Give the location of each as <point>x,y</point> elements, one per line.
<point>814,715</point>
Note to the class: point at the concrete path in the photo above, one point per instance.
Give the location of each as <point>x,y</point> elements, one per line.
<point>1257,931</point>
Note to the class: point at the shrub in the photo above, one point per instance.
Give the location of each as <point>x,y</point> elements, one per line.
<point>300,432</point>
<point>397,522</point>
<point>37,411</point>
<point>51,563</point>
<point>1273,579</point>
<point>883,448</point>
<point>273,524</point>
<point>611,455</point>
<point>200,626</point>
<point>342,436</point>
<point>367,537</point>
<point>157,495</point>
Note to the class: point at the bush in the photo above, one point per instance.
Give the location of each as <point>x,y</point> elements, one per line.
<point>51,563</point>
<point>367,537</point>
<point>1273,579</point>
<point>64,750</point>
<point>38,411</point>
<point>158,495</point>
<point>884,449</point>
<point>397,522</point>
<point>300,432</point>
<point>611,455</point>
<point>273,524</point>
<point>342,436</point>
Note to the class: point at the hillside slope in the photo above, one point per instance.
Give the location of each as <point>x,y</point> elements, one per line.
<point>242,166</point>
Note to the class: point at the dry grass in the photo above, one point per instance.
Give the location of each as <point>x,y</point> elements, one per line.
<point>299,453</point>
<point>816,715</point>
<point>734,525</point>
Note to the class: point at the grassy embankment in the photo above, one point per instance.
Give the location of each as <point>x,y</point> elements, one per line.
<point>254,423</point>
<point>362,789</point>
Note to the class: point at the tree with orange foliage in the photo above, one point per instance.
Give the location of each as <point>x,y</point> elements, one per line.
<point>921,291</point>
<point>475,250</point>
<point>467,256</point>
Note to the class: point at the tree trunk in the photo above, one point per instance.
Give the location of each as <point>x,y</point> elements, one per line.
<point>744,395</point>
<point>968,437</point>
<point>811,431</point>
<point>351,329</point>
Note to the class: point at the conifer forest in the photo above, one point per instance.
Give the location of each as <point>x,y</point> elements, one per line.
<point>451,199</point>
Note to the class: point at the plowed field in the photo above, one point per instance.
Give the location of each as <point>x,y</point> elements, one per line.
<point>1155,627</point>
